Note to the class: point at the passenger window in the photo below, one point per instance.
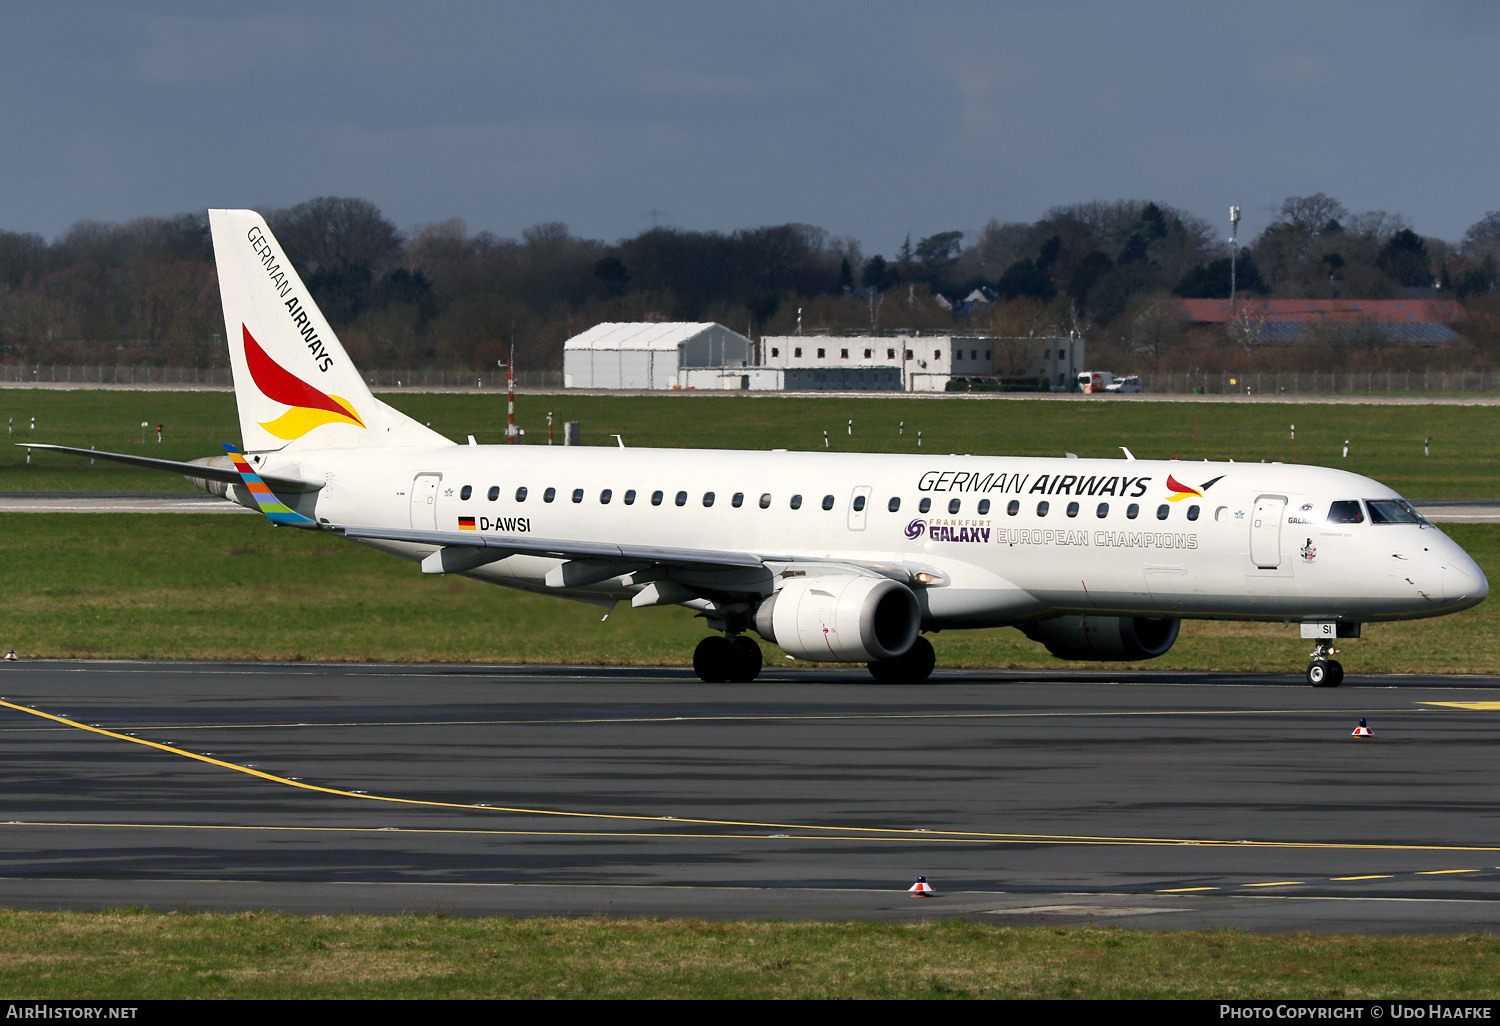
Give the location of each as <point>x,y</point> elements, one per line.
<point>738,500</point>
<point>1013,507</point>
<point>656,498</point>
<point>1042,508</point>
<point>894,505</point>
<point>549,495</point>
<point>953,506</point>
<point>1072,509</point>
<point>765,501</point>
<point>708,499</point>
<point>1193,512</point>
<point>924,505</point>
<point>681,499</point>
<point>984,507</point>
<point>796,502</point>
<point>521,494</point>
<point>465,492</point>
<point>1346,511</point>
<point>577,494</point>
<point>828,502</point>
<point>859,504</point>
<point>1102,511</point>
<point>630,497</point>
<point>605,496</point>
<point>1132,511</point>
<point>494,492</point>
<point>1162,511</point>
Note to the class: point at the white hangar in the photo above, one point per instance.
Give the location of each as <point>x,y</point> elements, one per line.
<point>647,355</point>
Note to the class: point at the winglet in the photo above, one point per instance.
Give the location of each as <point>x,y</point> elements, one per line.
<point>275,510</point>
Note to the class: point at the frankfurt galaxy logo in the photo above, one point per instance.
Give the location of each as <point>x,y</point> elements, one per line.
<point>916,529</point>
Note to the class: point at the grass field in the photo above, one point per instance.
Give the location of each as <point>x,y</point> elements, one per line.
<point>220,587</point>
<point>130,954</point>
<point>1386,441</point>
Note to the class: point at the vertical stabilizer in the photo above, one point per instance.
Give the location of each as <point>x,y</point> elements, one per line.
<point>294,384</point>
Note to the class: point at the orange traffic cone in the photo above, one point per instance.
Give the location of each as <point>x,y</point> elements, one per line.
<point>1362,730</point>
<point>921,889</point>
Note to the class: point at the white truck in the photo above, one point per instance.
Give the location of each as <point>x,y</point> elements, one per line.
<point>1094,381</point>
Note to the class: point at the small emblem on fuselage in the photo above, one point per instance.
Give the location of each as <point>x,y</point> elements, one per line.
<point>1308,552</point>
<point>916,529</point>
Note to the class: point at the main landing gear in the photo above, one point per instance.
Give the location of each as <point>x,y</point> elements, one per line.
<point>719,659</point>
<point>1324,672</point>
<point>911,667</point>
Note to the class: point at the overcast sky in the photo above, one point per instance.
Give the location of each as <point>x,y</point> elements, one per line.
<point>870,119</point>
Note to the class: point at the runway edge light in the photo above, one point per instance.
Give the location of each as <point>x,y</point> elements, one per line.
<point>1362,730</point>
<point>921,889</point>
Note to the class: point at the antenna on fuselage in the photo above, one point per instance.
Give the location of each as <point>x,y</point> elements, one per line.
<point>1128,454</point>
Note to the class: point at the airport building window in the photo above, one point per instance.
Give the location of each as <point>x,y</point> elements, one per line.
<point>796,502</point>
<point>822,353</point>
<point>1346,512</point>
<point>775,351</point>
<point>843,354</point>
<point>681,499</point>
<point>1193,512</point>
<point>937,354</point>
<point>708,499</point>
<point>908,354</point>
<point>984,507</point>
<point>1013,507</point>
<point>656,498</point>
<point>1072,509</point>
<point>577,494</point>
<point>797,352</point>
<point>765,501</point>
<point>1102,511</point>
<point>828,502</point>
<point>630,497</point>
<point>859,504</point>
<point>1162,511</point>
<point>895,504</point>
<point>1132,511</point>
<point>954,505</point>
<point>521,494</point>
<point>1042,508</point>
<point>890,354</point>
<point>605,496</point>
<point>738,500</point>
<point>924,505</point>
<point>494,492</point>
<point>465,492</point>
<point>986,354</point>
<point>549,495</point>
<point>868,352</point>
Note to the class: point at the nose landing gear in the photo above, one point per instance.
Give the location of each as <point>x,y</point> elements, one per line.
<point>1324,672</point>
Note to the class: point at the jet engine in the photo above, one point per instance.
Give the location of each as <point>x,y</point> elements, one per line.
<point>1116,638</point>
<point>841,618</point>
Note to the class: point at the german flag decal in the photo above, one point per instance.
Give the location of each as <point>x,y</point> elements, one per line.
<point>466,523</point>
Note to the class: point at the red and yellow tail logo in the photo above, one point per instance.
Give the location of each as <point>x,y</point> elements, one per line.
<point>309,407</point>
<point>1180,491</point>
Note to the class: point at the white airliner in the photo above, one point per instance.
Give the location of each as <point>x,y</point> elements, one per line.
<point>835,557</point>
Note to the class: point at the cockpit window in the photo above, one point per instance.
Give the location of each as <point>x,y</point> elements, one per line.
<point>1346,511</point>
<point>1394,511</point>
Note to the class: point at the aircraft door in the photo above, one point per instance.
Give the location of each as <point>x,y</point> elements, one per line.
<point>1265,531</point>
<point>859,506</point>
<point>424,501</point>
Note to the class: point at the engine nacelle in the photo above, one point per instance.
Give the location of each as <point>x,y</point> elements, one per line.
<point>1116,638</point>
<point>844,618</point>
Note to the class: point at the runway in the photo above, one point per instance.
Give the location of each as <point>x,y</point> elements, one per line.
<point>1152,800</point>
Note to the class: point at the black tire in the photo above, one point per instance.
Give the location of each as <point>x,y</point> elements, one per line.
<point>747,660</point>
<point>1335,674</point>
<point>911,667</point>
<point>714,659</point>
<point>1318,673</point>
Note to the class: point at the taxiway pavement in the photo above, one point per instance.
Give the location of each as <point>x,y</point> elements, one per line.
<point>1144,799</point>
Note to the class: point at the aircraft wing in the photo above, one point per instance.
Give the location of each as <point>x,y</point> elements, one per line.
<point>498,546</point>
<point>200,470</point>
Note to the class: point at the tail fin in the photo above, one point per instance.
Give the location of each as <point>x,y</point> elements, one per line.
<point>295,386</point>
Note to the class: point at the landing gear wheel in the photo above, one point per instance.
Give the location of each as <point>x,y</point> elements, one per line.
<point>1325,673</point>
<point>714,659</point>
<point>747,660</point>
<point>911,667</point>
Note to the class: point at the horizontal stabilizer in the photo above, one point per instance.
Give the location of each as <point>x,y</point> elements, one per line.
<point>199,470</point>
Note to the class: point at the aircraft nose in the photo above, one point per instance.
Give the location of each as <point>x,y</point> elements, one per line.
<point>1463,581</point>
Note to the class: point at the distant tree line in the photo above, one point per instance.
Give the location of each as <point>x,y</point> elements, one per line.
<point>145,292</point>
